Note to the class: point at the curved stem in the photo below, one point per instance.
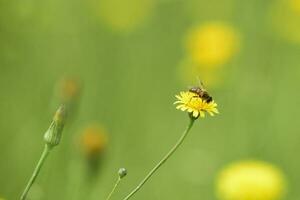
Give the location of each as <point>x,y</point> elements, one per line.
<point>114,188</point>
<point>163,160</point>
<point>36,171</point>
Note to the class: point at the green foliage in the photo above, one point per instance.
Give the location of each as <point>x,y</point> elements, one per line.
<point>129,82</point>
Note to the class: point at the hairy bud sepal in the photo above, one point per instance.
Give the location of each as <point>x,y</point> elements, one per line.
<point>53,135</point>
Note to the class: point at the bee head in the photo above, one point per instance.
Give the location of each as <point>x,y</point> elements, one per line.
<point>195,89</point>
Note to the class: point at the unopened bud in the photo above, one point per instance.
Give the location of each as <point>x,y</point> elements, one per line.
<point>122,172</point>
<point>53,135</point>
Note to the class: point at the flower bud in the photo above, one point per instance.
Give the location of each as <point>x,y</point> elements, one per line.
<point>53,135</point>
<point>122,172</point>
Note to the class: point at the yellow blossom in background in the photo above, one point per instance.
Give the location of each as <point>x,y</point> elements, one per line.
<point>250,180</point>
<point>69,89</point>
<point>295,5</point>
<point>209,46</point>
<point>67,92</point>
<point>284,16</point>
<point>212,44</point>
<point>123,15</point>
<point>190,102</point>
<point>93,140</point>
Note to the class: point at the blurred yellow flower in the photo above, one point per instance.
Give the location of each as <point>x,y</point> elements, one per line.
<point>250,180</point>
<point>123,15</point>
<point>93,141</point>
<point>295,5</point>
<point>69,89</point>
<point>212,44</point>
<point>192,103</point>
<point>284,16</point>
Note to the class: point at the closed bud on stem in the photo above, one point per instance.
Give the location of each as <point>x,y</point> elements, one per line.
<point>53,135</point>
<point>122,172</point>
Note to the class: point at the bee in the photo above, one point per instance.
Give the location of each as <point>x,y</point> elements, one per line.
<point>201,92</point>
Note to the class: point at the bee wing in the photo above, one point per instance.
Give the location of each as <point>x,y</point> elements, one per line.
<point>201,85</point>
<point>189,87</point>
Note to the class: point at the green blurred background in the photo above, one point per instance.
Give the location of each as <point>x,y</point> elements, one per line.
<point>127,56</point>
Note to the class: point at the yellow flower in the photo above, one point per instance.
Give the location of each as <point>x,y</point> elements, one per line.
<point>295,5</point>
<point>93,141</point>
<point>192,103</point>
<point>250,180</point>
<point>69,89</point>
<point>212,44</point>
<point>284,16</point>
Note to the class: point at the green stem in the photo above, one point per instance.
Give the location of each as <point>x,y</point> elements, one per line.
<point>114,188</point>
<point>36,171</point>
<point>163,160</point>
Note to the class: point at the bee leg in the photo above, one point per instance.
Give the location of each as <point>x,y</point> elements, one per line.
<point>196,96</point>
<point>209,100</point>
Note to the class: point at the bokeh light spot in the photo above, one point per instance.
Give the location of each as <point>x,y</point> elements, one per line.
<point>250,180</point>
<point>212,44</point>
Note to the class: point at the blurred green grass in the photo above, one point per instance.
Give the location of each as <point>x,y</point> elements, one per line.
<point>129,82</point>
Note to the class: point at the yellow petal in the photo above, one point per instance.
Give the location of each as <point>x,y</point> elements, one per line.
<point>178,97</point>
<point>190,110</point>
<point>183,108</point>
<point>176,102</point>
<point>215,110</point>
<point>211,113</point>
<point>196,113</point>
<point>179,106</point>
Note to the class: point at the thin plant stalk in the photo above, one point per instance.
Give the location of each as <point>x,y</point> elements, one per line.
<point>36,171</point>
<point>121,174</point>
<point>163,160</point>
<point>114,188</point>
<point>52,138</point>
